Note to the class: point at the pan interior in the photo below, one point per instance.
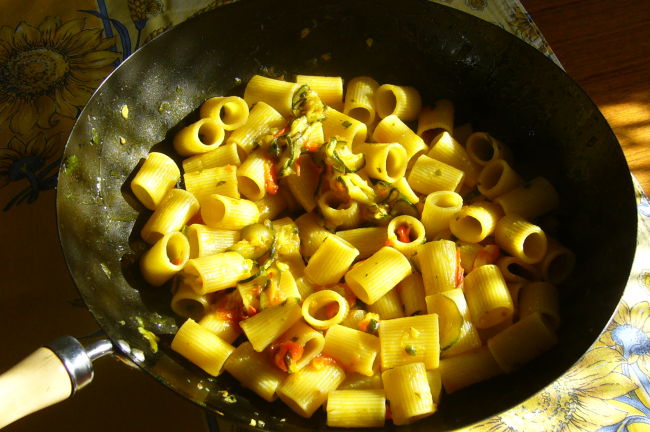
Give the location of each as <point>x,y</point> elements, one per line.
<point>497,82</point>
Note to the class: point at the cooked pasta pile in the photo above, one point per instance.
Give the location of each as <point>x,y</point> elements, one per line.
<point>356,250</point>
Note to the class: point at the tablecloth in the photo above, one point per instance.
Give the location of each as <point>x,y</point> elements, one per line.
<point>52,57</point>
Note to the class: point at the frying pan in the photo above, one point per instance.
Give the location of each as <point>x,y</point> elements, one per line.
<point>498,83</point>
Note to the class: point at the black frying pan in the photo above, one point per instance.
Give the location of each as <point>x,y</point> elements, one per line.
<point>499,83</point>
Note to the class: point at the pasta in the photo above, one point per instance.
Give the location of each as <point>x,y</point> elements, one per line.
<point>322,251</point>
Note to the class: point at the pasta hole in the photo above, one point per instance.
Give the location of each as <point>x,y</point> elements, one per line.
<point>249,188</point>
<point>337,203</point>
<point>431,135</point>
<point>209,133</point>
<point>386,102</point>
<point>176,250</point>
<point>189,308</point>
<point>481,146</point>
<point>394,168</point>
<point>491,175</point>
<point>560,267</point>
<point>521,271</point>
<point>361,114</point>
<point>448,201</point>
<point>534,246</point>
<point>469,225</point>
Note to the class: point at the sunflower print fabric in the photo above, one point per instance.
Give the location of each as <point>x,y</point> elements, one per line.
<point>54,56</point>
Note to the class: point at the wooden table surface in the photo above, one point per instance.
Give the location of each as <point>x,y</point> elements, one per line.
<point>605,47</point>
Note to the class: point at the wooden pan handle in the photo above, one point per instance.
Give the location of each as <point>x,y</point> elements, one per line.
<point>47,376</point>
<point>40,380</point>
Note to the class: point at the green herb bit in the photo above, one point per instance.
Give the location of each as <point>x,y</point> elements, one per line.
<point>346,124</point>
<point>71,163</point>
<point>94,136</point>
<point>410,349</point>
<point>373,326</point>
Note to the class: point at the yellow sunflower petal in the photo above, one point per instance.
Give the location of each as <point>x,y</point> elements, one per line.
<point>639,315</point>
<point>25,118</point>
<point>96,59</point>
<point>64,107</point>
<point>611,386</point>
<point>89,76</point>
<point>27,35</point>
<point>48,27</point>
<point>105,44</point>
<point>594,413</point>
<point>75,93</point>
<point>84,41</point>
<point>68,29</point>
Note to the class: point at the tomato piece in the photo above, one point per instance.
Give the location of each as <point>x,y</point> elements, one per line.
<point>287,354</point>
<point>403,233</point>
<point>270,177</point>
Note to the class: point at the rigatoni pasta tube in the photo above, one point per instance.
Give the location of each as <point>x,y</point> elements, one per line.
<point>473,223</point>
<point>411,292</point>
<point>483,148</point>
<point>223,323</point>
<point>487,296</point>
<point>388,306</point>
<point>540,297</point>
<point>469,368</point>
<point>348,129</point>
<point>254,371</point>
<point>230,111</point>
<point>261,120</point>
<point>266,326</point>
<point>216,272</point>
<point>515,270</point>
<point>403,101</point>
<point>523,341</point>
<point>209,241</point>
<point>497,178</point>
<point>157,175</point>
<point>218,180</point>
<point>251,176</point>
<point>434,120</point>
<point>176,208</point>
<point>367,240</point>
<point>321,301</point>
<point>530,200</point>
<point>219,211</point>
<point>355,350</point>
<point>165,258</point>
<point>429,175</point>
<point>408,393</point>
<point>186,302</point>
<point>558,262</point>
<point>331,260</point>
<point>303,187</point>
<point>199,137</point>
<point>410,339</point>
<point>225,154</point>
<point>202,347</point>
<point>312,233</point>
<point>312,342</point>
<point>339,212</point>
<point>378,274</point>
<point>439,208</point>
<point>360,99</point>
<point>521,238</point>
<point>384,161</point>
<point>277,93</point>
<point>356,408</point>
<point>446,149</point>
<point>306,390</point>
<point>392,129</point>
<point>405,233</point>
<point>438,264</point>
<point>329,88</point>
